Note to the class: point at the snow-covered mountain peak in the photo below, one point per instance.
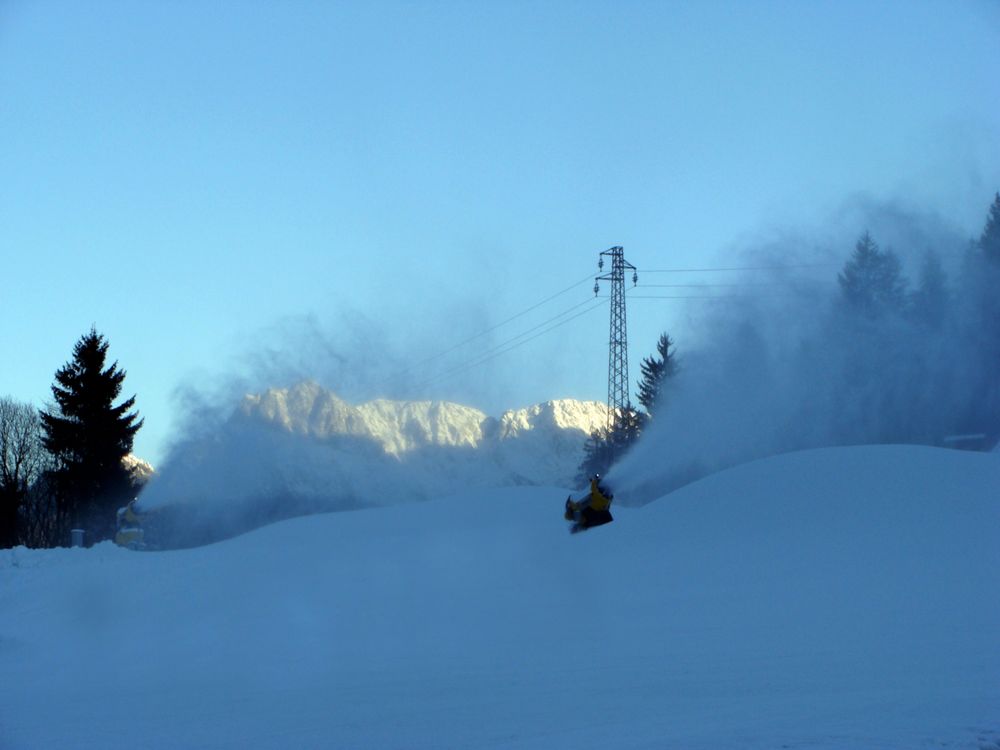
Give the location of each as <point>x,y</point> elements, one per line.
<point>402,426</point>
<point>559,414</point>
<point>538,444</point>
<point>398,426</point>
<point>305,409</point>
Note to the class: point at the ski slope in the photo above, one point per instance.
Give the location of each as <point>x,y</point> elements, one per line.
<point>839,598</point>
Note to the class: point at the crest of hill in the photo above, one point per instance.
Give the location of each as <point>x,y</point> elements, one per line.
<point>400,427</point>
<point>300,450</point>
<point>838,598</point>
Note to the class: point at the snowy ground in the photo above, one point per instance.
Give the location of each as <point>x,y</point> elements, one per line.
<point>827,599</point>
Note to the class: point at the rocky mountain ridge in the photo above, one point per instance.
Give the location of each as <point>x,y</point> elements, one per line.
<point>294,451</point>
<point>538,444</point>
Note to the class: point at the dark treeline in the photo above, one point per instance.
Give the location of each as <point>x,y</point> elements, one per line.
<point>606,445</point>
<point>886,358</point>
<point>63,467</point>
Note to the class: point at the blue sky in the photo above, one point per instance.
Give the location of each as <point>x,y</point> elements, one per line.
<point>343,190</point>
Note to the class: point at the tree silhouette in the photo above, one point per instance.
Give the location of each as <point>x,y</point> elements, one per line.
<point>87,437</point>
<point>21,459</point>
<point>872,282</point>
<point>655,370</point>
<point>929,303</point>
<point>989,242</point>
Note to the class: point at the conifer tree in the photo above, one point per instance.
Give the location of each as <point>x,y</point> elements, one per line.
<point>597,455</point>
<point>87,437</point>
<point>655,370</point>
<point>872,281</point>
<point>626,431</point>
<point>989,242</point>
<point>607,445</point>
<point>984,286</point>
<point>929,303</point>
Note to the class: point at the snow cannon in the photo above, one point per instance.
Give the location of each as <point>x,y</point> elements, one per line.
<point>132,525</point>
<point>593,509</point>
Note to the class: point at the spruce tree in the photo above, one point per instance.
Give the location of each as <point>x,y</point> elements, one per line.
<point>985,285</point>
<point>607,445</point>
<point>87,437</point>
<point>929,303</point>
<point>989,242</point>
<point>626,431</point>
<point>872,282</point>
<point>597,456</point>
<point>655,370</point>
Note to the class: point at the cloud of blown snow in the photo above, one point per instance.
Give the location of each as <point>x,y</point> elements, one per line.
<point>793,369</point>
<point>227,472</point>
<point>777,366</point>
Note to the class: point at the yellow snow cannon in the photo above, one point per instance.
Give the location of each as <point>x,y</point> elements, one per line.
<point>131,533</point>
<point>593,509</point>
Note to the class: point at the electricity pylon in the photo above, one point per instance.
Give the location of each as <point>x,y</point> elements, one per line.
<point>619,403</point>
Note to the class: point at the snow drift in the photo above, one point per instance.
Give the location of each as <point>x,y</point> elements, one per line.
<point>838,598</point>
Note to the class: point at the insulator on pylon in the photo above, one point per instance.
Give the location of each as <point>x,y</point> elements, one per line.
<point>600,264</point>
<point>596,288</point>
<point>635,278</point>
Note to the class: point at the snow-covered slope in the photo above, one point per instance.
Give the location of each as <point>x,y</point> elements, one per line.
<point>288,452</point>
<point>841,599</point>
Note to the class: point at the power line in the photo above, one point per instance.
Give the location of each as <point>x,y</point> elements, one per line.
<point>509,346</point>
<point>708,296</point>
<point>539,325</point>
<point>739,268</point>
<point>512,318</point>
<point>731,285</point>
<point>551,323</point>
<point>420,363</point>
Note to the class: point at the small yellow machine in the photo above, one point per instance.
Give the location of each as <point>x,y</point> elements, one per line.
<point>131,533</point>
<point>593,509</point>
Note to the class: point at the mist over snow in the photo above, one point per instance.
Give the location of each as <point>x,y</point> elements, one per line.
<point>299,450</point>
<point>404,352</point>
<point>347,256</point>
<point>839,599</point>
<point>792,366</point>
<point>780,362</point>
<point>250,449</point>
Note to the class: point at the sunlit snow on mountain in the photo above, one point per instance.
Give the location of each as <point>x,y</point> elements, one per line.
<point>299,450</point>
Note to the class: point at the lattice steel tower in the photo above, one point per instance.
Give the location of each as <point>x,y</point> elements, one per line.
<point>618,384</point>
